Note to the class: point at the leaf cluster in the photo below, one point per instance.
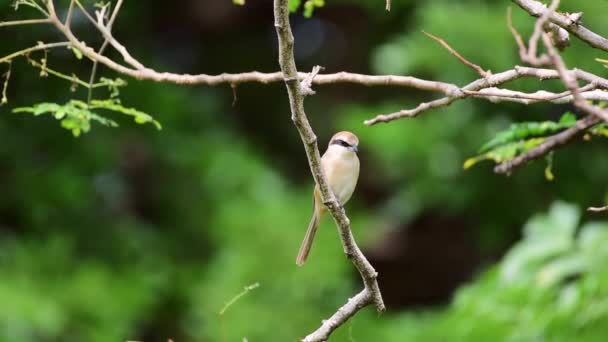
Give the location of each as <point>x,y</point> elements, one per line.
<point>76,115</point>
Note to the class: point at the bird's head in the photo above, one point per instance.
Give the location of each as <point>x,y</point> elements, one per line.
<point>345,140</point>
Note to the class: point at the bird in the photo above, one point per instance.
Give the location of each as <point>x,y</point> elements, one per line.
<point>340,166</point>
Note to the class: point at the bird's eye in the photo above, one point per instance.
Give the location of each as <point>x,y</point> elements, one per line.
<point>344,143</point>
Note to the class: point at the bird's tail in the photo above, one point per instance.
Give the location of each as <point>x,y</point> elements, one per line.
<point>309,237</point>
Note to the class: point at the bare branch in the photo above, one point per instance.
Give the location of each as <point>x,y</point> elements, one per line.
<point>371,292</point>
<point>481,83</point>
<point>68,17</point>
<point>340,317</point>
<point>24,22</point>
<point>464,61</point>
<point>388,5</point>
<point>539,27</point>
<point>571,23</point>
<point>493,94</point>
<point>597,209</point>
<point>7,77</point>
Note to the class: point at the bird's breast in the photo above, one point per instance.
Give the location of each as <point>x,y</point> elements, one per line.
<point>342,173</point>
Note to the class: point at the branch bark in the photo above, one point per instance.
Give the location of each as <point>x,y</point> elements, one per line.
<point>296,90</point>
<point>571,23</point>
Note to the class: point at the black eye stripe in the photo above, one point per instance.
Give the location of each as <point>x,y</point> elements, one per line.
<point>340,142</point>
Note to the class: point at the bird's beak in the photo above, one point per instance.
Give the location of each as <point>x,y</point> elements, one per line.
<point>355,148</point>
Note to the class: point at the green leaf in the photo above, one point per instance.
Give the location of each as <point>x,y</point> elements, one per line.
<point>76,52</point>
<point>561,268</point>
<point>504,152</point>
<point>520,138</point>
<point>310,5</point>
<point>523,260</point>
<point>77,115</point>
<point>525,130</point>
<point>113,105</point>
<point>294,5</point>
<point>561,220</point>
<point>239,2</point>
<point>549,168</point>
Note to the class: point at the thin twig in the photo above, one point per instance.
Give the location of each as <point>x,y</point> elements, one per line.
<point>464,61</point>
<point>496,94</point>
<point>481,83</point>
<point>518,39</point>
<point>238,296</point>
<point>102,49</point>
<point>597,209</point>
<point>7,77</point>
<point>68,17</point>
<point>32,49</point>
<point>24,22</point>
<point>72,78</point>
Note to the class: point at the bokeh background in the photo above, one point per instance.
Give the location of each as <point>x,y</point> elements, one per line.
<point>131,233</point>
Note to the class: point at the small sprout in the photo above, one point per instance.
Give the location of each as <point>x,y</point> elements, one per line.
<point>74,85</point>
<point>310,5</point>
<point>294,5</point>
<point>76,52</point>
<point>7,77</point>
<point>549,168</point>
<point>239,2</point>
<point>238,296</point>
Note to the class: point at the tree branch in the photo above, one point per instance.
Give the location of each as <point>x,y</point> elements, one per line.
<point>571,23</point>
<point>371,292</point>
<point>141,72</point>
<point>482,83</point>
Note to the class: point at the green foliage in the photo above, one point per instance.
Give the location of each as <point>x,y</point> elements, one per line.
<point>294,5</point>
<point>77,116</point>
<point>309,6</point>
<point>551,286</point>
<point>522,137</point>
<point>524,130</point>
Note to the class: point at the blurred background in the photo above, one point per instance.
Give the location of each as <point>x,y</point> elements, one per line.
<point>136,234</point>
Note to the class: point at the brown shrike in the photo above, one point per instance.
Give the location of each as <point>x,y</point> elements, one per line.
<point>341,167</point>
